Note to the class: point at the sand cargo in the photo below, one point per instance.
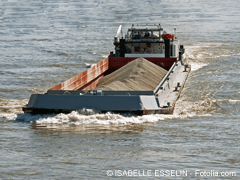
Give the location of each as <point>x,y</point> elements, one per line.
<point>144,75</point>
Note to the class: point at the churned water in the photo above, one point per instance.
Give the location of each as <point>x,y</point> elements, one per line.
<point>43,43</point>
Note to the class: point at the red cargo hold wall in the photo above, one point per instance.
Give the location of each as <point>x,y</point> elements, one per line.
<point>89,79</point>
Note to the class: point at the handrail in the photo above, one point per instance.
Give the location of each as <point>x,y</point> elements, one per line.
<point>146,24</point>
<point>165,78</point>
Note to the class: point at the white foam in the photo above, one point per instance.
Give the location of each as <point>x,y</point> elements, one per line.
<point>199,53</point>
<point>77,117</point>
<point>196,57</point>
<point>234,100</point>
<point>183,109</point>
<point>223,55</point>
<point>8,116</point>
<point>104,55</point>
<point>205,107</point>
<point>89,65</point>
<point>9,108</point>
<point>196,66</point>
<point>88,116</point>
<point>192,53</point>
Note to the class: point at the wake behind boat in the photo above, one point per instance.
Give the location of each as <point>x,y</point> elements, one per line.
<point>145,75</point>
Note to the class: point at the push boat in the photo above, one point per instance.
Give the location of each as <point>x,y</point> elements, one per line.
<point>141,41</point>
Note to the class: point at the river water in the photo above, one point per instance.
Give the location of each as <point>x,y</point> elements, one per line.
<point>43,43</point>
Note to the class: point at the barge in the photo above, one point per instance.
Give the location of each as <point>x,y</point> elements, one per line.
<point>141,43</point>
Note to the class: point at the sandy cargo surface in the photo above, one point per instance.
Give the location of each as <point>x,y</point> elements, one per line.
<point>138,75</point>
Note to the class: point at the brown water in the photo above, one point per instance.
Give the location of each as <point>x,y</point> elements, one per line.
<point>43,43</point>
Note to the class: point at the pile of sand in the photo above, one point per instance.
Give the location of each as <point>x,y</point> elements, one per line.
<point>138,75</point>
